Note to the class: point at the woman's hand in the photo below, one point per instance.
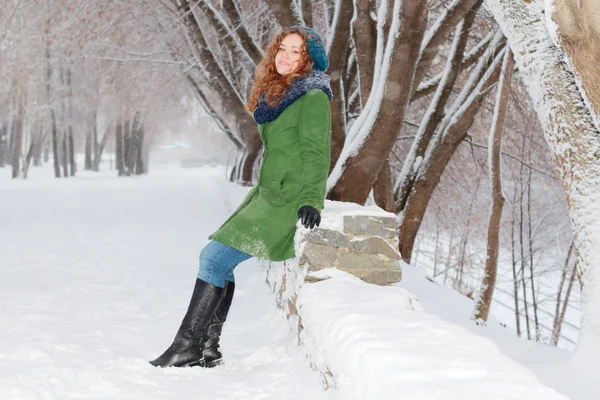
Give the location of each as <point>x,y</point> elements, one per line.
<point>309,216</point>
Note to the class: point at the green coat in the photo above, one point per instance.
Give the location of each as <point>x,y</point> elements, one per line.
<point>294,171</point>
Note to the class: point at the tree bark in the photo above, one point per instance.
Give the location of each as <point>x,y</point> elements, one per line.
<point>64,154</point>
<point>90,138</point>
<point>285,12</point>
<point>99,147</point>
<point>231,103</point>
<point>429,86</point>
<point>579,37</point>
<point>558,314</point>
<point>437,158</point>
<point>54,128</point>
<point>72,163</point>
<point>437,36</point>
<point>382,190</point>
<point>119,150</point>
<point>356,173</point>
<point>17,142</point>
<point>139,163</point>
<point>307,12</point>
<point>573,139</point>
<point>337,65</point>
<point>3,143</point>
<point>246,40</point>
<point>434,113</point>
<point>482,306</point>
<point>365,41</point>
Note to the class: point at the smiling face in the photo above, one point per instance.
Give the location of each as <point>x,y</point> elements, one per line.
<point>288,56</point>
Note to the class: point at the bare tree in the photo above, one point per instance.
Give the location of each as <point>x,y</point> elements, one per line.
<point>482,305</point>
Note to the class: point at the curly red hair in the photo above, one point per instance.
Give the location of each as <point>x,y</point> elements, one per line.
<point>266,78</point>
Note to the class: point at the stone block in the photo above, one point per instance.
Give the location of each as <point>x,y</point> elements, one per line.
<point>375,245</point>
<point>349,260</point>
<point>319,255</point>
<point>370,225</point>
<point>370,268</point>
<point>381,277</point>
<point>328,237</point>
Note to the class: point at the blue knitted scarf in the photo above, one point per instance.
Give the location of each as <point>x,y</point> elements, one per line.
<point>300,86</point>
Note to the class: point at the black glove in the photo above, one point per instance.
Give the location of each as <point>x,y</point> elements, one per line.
<point>309,216</point>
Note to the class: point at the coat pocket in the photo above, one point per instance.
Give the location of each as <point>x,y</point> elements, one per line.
<point>273,192</point>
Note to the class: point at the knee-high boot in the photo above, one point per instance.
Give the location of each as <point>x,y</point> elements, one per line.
<point>210,344</point>
<point>186,348</point>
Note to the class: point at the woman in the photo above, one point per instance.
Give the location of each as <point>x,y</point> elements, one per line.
<point>290,102</point>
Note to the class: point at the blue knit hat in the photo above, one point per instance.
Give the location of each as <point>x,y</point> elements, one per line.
<point>316,51</point>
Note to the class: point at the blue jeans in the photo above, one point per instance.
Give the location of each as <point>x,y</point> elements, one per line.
<point>217,262</point>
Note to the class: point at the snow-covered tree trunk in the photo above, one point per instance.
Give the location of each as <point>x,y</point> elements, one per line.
<point>362,159</point>
<point>307,12</point>
<point>286,12</point>
<point>574,142</point>
<point>251,47</point>
<point>364,32</point>
<point>452,132</point>
<point>337,47</point>
<point>484,300</point>
<point>223,89</point>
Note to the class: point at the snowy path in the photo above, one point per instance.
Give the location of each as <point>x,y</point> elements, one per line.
<point>95,276</point>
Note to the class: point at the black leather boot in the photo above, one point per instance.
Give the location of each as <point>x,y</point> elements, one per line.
<point>210,344</point>
<point>186,349</point>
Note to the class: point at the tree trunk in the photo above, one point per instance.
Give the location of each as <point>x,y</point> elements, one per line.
<point>18,138</point>
<point>515,274</point>
<point>382,189</point>
<point>558,314</point>
<point>286,12</point>
<point>522,241</point>
<point>64,155</point>
<point>3,143</point>
<point>437,158</point>
<point>534,300</point>
<point>72,163</point>
<point>247,42</point>
<point>365,41</point>
<point>573,139</point>
<point>119,150</point>
<point>231,103</point>
<point>435,112</point>
<point>99,147</point>
<point>356,172</point>
<point>470,58</point>
<point>307,12</point>
<point>482,306</point>
<point>54,128</point>
<point>89,145</point>
<point>440,32</point>
<point>71,141</point>
<point>139,162</point>
<point>40,144</point>
<point>337,65</point>
<point>579,37</point>
<point>55,144</point>
<point>253,148</point>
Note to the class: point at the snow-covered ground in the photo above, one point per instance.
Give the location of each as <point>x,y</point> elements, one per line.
<point>96,273</point>
<point>95,276</point>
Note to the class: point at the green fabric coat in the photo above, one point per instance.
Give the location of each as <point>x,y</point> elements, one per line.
<point>294,171</point>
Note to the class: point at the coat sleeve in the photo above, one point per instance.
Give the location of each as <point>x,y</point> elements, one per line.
<point>314,133</point>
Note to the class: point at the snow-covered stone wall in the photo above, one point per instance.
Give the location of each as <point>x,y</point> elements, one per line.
<point>377,341</point>
<point>360,240</point>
